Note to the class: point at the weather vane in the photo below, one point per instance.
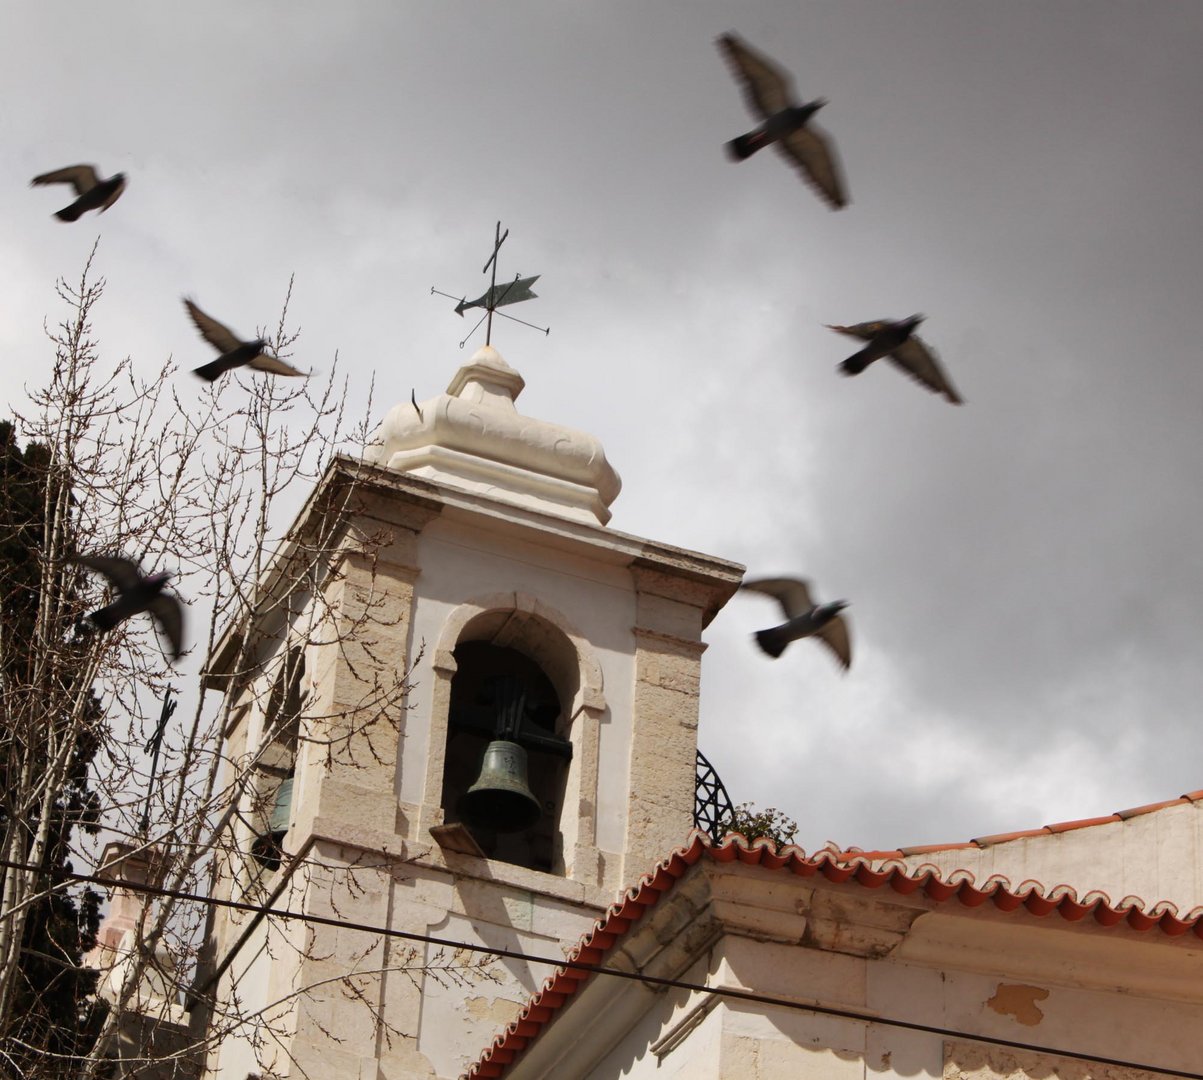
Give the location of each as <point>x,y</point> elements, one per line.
<point>496,295</point>
<point>153,745</point>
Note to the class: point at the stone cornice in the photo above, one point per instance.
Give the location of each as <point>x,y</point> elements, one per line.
<point>345,478</point>
<point>432,857</point>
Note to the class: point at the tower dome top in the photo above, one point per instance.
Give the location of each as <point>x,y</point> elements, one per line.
<point>473,438</point>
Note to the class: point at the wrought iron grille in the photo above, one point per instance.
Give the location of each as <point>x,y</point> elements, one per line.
<point>712,810</point>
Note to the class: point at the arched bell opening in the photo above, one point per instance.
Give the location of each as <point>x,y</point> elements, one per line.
<point>507,753</point>
<point>271,785</point>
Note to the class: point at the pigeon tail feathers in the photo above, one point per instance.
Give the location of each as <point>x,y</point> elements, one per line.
<point>744,146</point>
<point>772,641</point>
<point>213,370</point>
<point>106,618</point>
<point>69,213</point>
<point>854,365</point>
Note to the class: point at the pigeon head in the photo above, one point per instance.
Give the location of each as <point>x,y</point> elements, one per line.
<point>802,113</point>
<point>160,579</point>
<point>836,606</point>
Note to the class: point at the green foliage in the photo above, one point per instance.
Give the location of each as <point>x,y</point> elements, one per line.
<point>772,824</point>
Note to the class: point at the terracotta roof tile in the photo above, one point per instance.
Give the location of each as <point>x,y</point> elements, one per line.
<point>1000,838</point>
<point>1082,823</point>
<point>837,867</point>
<point>923,849</point>
<point>1148,808</point>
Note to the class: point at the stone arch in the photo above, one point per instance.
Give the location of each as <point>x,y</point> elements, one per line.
<point>525,624</point>
<point>268,795</point>
<point>512,619</point>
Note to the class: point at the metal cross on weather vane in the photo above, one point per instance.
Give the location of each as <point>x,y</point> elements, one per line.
<point>496,295</point>
<point>153,745</point>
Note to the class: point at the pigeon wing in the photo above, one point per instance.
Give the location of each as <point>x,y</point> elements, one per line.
<point>865,331</point>
<point>273,365</point>
<point>81,177</point>
<point>813,153</point>
<point>835,636</point>
<point>793,594</point>
<point>123,573</point>
<point>920,362</point>
<point>169,614</point>
<point>767,88</point>
<point>217,335</point>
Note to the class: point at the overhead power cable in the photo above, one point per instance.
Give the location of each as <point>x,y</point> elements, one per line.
<point>598,969</point>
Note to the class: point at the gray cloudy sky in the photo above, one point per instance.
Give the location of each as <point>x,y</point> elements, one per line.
<point>1025,571</point>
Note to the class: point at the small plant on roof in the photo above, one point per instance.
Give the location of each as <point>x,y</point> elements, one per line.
<point>771,823</point>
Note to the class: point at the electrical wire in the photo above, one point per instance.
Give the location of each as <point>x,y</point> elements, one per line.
<point>598,969</point>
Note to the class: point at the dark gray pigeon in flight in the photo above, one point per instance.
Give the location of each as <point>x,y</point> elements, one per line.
<point>94,193</point>
<point>897,341</point>
<point>769,93</point>
<point>804,618</point>
<point>235,353</point>
<point>136,594</point>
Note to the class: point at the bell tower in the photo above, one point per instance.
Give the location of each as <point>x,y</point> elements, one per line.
<point>512,741</point>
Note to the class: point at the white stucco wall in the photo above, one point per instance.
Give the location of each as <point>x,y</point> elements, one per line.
<point>963,974</point>
<point>234,1057</point>
<point>747,1041</point>
<point>1153,856</point>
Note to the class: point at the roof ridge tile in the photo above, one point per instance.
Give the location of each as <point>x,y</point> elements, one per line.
<point>1055,827</point>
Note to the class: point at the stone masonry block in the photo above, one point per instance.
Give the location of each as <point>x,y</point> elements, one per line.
<point>668,616</point>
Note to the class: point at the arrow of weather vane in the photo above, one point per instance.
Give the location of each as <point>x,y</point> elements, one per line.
<point>495,295</point>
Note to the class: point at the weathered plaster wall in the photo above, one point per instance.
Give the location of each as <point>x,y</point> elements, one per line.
<point>1071,988</point>
<point>746,1041</point>
<point>417,1009</point>
<point>1153,856</point>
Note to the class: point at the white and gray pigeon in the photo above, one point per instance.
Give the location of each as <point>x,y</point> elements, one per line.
<point>136,594</point>
<point>235,353</point>
<point>804,618</point>
<point>897,341</point>
<point>769,93</point>
<point>93,192</point>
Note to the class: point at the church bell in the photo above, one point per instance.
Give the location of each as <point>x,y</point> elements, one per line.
<point>501,799</point>
<point>266,849</point>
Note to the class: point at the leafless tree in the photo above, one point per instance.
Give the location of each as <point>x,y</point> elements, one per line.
<point>202,481</point>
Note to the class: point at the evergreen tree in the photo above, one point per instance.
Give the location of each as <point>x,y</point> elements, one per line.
<point>54,1011</point>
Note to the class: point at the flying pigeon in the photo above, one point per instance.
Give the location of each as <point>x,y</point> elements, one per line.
<point>136,594</point>
<point>234,353</point>
<point>897,341</point>
<point>804,618</point>
<point>769,93</point>
<point>93,192</point>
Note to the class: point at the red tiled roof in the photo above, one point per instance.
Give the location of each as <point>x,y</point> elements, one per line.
<point>1002,838</point>
<point>838,868</point>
